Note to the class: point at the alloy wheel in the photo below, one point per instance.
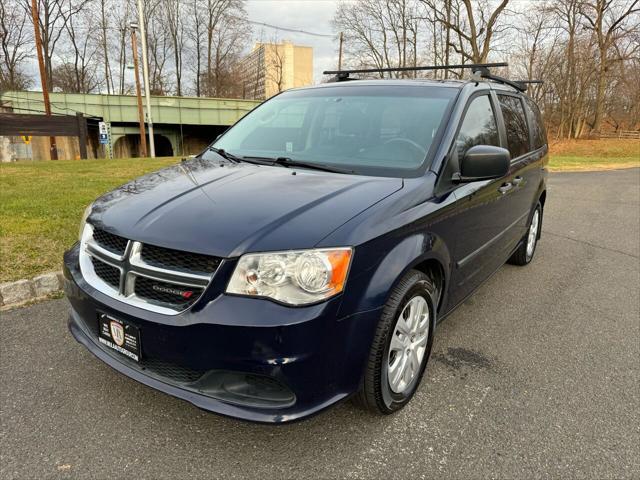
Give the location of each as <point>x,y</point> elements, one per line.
<point>408,344</point>
<point>533,233</point>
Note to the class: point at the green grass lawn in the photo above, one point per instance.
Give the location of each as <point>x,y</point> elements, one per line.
<point>559,163</point>
<point>41,202</point>
<point>603,154</point>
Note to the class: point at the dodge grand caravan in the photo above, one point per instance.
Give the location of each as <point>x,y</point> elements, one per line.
<point>307,255</point>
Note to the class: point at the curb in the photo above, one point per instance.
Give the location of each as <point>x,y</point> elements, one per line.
<point>13,294</point>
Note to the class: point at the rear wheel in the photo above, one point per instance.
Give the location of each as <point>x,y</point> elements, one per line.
<point>401,345</point>
<point>524,254</point>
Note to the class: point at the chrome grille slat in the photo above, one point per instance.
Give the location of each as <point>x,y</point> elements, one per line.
<point>111,242</point>
<point>104,255</point>
<point>163,290</point>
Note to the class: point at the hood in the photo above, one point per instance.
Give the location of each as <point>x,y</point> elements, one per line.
<point>225,209</point>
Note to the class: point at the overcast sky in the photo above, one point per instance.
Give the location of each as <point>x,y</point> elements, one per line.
<point>310,15</point>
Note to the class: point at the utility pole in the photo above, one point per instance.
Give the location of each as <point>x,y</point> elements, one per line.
<point>340,51</point>
<point>134,47</point>
<point>43,74</point>
<point>145,74</point>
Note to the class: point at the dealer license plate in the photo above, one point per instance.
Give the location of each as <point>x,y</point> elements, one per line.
<point>119,335</point>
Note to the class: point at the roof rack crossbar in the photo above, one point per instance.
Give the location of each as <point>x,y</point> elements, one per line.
<point>343,75</point>
<point>415,69</point>
<point>480,70</point>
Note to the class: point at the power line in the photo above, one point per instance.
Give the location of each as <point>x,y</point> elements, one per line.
<point>87,28</point>
<point>292,30</point>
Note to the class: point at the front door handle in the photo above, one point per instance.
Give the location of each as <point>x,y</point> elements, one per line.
<point>517,181</point>
<point>505,187</point>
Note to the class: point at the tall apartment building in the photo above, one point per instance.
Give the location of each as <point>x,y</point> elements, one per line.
<point>273,67</point>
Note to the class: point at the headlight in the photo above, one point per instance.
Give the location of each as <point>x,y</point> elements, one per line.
<point>296,277</point>
<point>83,220</point>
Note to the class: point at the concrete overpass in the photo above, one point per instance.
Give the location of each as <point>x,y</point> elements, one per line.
<point>182,125</point>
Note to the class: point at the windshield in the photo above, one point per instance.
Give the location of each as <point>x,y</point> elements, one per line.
<point>371,130</point>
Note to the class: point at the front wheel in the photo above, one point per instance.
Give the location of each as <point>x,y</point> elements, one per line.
<point>401,345</point>
<point>524,254</point>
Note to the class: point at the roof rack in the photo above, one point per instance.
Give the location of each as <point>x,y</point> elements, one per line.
<point>479,70</point>
<point>343,75</point>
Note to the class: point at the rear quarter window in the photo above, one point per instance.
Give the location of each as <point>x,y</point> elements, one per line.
<point>538,135</point>
<point>515,123</point>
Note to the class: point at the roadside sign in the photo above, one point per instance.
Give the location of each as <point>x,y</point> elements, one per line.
<point>104,129</point>
<point>26,139</point>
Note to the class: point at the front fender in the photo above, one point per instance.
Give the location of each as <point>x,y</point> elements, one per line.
<point>370,289</point>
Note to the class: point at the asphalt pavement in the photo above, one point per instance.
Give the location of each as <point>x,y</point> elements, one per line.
<point>536,375</point>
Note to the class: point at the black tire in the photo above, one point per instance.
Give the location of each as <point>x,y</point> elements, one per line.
<point>522,256</point>
<point>375,393</point>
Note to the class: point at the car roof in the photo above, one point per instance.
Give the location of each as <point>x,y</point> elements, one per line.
<point>416,82</point>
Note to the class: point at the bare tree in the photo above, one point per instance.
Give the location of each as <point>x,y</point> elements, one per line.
<point>122,20</point>
<point>53,17</point>
<point>174,13</point>
<point>15,40</point>
<point>195,36</point>
<point>536,46</point>
<point>567,15</point>
<point>476,27</point>
<point>275,63</point>
<point>608,20</point>
<point>158,47</point>
<point>79,74</point>
<point>104,26</point>
<point>220,33</point>
<point>379,33</point>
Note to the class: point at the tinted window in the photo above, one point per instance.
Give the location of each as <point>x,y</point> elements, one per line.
<point>516,124</point>
<point>479,126</point>
<point>371,130</point>
<point>538,135</point>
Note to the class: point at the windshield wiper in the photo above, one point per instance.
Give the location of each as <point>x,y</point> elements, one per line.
<point>224,154</point>
<point>289,162</point>
<point>232,158</point>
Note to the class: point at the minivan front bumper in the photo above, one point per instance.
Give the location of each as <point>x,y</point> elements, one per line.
<point>242,357</point>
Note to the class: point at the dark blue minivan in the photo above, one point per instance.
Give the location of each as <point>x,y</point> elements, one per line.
<point>307,255</point>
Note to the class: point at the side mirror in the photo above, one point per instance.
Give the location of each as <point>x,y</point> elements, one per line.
<point>483,162</point>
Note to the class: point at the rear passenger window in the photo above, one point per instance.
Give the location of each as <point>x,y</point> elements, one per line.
<point>479,126</point>
<point>538,136</point>
<point>516,124</point>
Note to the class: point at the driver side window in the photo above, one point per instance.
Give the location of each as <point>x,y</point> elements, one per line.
<point>479,126</point>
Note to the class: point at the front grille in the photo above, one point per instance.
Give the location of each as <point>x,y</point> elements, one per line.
<point>107,273</point>
<point>109,241</point>
<point>166,293</point>
<point>155,278</point>
<point>178,260</point>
